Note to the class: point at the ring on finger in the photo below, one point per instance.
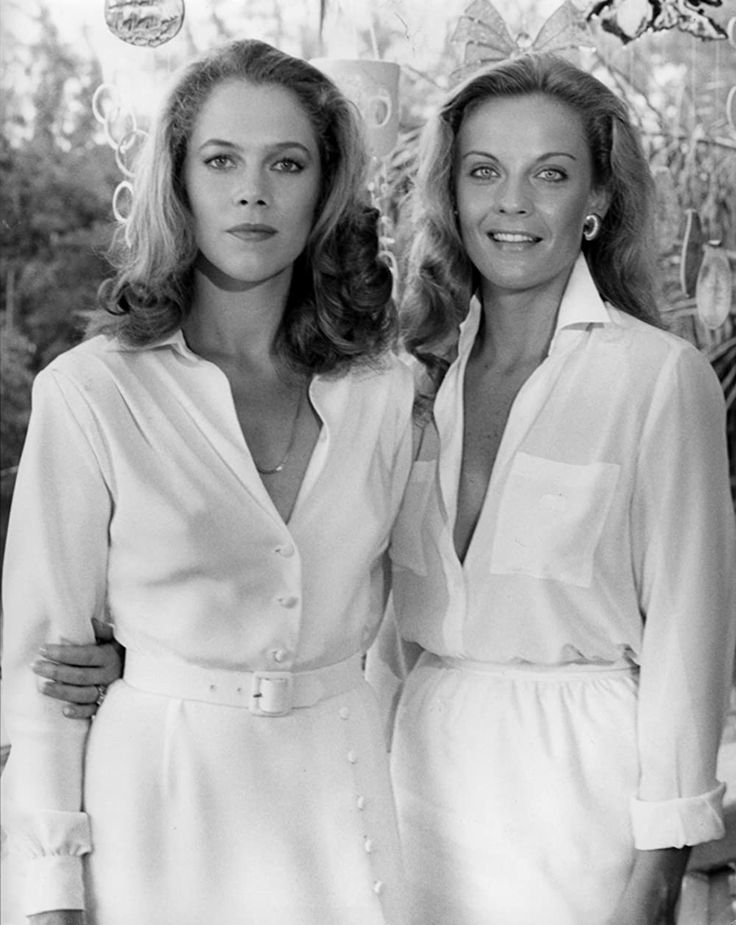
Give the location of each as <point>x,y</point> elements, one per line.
<point>101,691</point>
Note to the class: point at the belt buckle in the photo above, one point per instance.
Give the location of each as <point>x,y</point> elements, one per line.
<point>272,693</point>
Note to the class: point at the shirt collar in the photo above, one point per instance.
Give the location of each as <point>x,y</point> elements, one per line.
<point>175,340</point>
<point>581,306</point>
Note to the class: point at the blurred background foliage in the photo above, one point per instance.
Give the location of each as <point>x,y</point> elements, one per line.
<point>57,173</point>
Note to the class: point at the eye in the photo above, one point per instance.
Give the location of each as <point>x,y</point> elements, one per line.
<point>483,172</point>
<point>219,161</point>
<point>288,165</point>
<point>553,174</point>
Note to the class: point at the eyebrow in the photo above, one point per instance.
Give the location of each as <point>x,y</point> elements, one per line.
<point>542,157</point>
<point>274,148</point>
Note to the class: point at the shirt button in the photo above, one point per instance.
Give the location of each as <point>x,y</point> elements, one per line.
<point>278,655</point>
<point>360,803</point>
<point>352,757</point>
<point>288,601</point>
<point>378,887</point>
<point>344,713</point>
<point>287,551</point>
<point>368,845</point>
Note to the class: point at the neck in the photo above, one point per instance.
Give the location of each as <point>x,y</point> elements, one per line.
<point>235,322</point>
<point>518,326</point>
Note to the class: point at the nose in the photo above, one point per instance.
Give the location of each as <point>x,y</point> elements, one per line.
<point>251,188</point>
<point>512,197</point>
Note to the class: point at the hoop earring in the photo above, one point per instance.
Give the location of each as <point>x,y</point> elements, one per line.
<point>592,226</point>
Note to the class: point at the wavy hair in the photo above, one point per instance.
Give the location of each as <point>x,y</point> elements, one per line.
<point>339,307</point>
<point>440,276</point>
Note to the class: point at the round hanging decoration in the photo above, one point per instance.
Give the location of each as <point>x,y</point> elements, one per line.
<point>714,288</point>
<point>144,22</point>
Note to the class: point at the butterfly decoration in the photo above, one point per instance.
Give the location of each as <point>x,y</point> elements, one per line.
<point>629,19</point>
<point>487,40</point>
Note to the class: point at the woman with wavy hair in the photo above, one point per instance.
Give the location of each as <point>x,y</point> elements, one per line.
<point>563,558</point>
<point>215,472</point>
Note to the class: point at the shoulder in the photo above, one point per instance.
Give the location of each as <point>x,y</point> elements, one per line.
<point>89,371</point>
<point>674,380</point>
<point>381,391</point>
<point>659,351</point>
<point>93,354</point>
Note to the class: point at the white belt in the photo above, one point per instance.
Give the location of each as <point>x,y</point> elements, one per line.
<point>566,671</point>
<point>264,693</point>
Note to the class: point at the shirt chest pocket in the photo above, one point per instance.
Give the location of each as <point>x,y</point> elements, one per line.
<point>550,518</point>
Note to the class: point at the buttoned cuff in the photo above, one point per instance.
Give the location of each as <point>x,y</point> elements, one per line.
<point>680,822</point>
<point>54,881</point>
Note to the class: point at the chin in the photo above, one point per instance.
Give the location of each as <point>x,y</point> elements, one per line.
<point>238,279</point>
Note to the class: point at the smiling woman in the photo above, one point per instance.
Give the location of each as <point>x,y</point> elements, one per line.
<point>522,196</point>
<point>194,473</point>
<point>563,557</point>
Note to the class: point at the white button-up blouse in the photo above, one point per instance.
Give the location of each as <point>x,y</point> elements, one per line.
<point>137,501</point>
<point>606,536</point>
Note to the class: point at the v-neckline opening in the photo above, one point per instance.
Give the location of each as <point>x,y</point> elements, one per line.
<point>248,455</point>
<point>500,455</point>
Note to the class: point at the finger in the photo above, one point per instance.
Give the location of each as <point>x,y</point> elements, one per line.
<point>66,674</point>
<point>68,692</point>
<point>103,631</point>
<point>85,656</point>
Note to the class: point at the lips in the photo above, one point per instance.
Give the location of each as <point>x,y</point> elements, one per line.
<point>252,232</point>
<point>513,237</point>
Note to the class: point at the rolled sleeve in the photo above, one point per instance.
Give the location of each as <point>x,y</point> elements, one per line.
<point>676,823</point>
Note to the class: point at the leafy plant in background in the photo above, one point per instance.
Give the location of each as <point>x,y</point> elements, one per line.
<point>685,127</point>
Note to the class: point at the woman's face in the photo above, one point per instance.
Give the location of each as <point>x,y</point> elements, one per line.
<point>252,176</point>
<point>523,186</point>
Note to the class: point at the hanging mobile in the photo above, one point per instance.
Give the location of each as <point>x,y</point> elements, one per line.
<point>691,255</point>
<point>714,287</point>
<point>144,22</point>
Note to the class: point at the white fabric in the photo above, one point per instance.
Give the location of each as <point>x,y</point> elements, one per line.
<point>137,500</point>
<point>606,537</point>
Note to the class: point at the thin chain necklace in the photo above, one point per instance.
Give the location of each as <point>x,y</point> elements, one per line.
<point>284,459</point>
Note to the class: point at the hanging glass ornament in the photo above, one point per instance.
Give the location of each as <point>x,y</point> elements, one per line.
<point>126,140</point>
<point>122,201</point>
<point>144,22</point>
<point>105,102</point>
<point>127,151</point>
<point>691,255</point>
<point>714,288</point>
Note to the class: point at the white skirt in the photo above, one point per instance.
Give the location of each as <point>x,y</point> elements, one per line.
<point>204,813</point>
<point>513,788</point>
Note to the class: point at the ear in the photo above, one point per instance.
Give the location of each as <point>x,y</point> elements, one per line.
<point>598,201</point>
